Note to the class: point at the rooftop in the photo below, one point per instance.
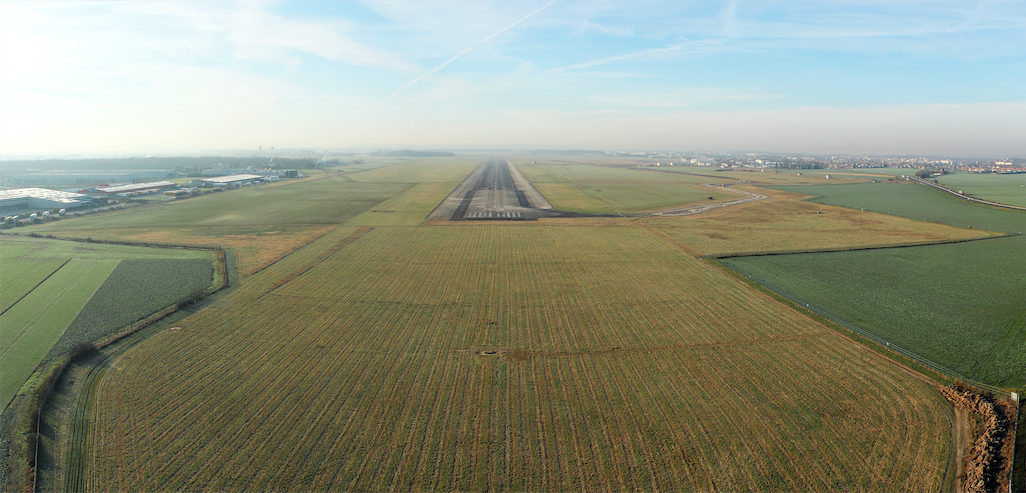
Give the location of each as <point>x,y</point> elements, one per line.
<point>42,193</point>
<point>231,178</point>
<point>137,186</point>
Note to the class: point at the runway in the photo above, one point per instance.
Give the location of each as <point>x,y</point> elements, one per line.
<point>495,190</point>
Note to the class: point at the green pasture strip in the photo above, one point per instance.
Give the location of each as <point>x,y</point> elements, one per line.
<point>918,202</point>
<point>18,276</point>
<point>569,197</point>
<point>627,198</point>
<point>328,200</point>
<point>1004,188</point>
<point>580,173</point>
<point>409,208</point>
<point>610,190</point>
<point>31,327</point>
<point>62,249</point>
<point>420,170</point>
<point>960,305</point>
<point>133,291</point>
<point>652,197</point>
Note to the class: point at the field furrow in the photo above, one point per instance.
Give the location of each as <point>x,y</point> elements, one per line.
<point>508,357</point>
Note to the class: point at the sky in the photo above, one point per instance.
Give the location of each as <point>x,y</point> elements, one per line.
<point>879,78</point>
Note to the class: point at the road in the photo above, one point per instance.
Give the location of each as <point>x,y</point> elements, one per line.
<point>967,197</point>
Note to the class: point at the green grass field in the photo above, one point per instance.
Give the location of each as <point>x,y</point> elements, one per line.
<point>133,290</point>
<point>608,190</point>
<point>21,276</point>
<point>918,202</point>
<point>34,324</point>
<point>960,305</point>
<point>1007,189</point>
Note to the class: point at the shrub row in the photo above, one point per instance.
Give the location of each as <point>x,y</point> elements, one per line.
<point>985,460</point>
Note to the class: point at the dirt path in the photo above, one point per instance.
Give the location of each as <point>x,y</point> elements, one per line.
<point>960,440</point>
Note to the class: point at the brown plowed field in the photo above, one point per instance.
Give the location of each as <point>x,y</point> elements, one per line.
<point>508,357</point>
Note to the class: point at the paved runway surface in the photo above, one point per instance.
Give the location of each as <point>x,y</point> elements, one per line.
<point>497,191</point>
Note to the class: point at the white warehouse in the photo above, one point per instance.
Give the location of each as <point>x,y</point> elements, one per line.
<point>39,198</point>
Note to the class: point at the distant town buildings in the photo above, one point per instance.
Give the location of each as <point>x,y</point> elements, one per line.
<point>766,160</point>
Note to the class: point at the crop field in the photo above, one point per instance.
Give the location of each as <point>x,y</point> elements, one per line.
<point>73,272</point>
<point>34,324</point>
<point>786,223</point>
<point>522,356</point>
<point>608,190</point>
<point>961,305</point>
<point>20,274</point>
<point>1007,189</point>
<point>918,202</point>
<point>255,246</point>
<point>132,291</point>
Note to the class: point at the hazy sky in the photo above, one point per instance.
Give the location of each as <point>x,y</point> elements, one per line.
<point>819,77</point>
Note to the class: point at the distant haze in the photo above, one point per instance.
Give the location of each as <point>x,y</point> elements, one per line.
<point>860,78</point>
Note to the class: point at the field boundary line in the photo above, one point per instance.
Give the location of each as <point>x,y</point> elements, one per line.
<point>857,248</point>
<point>36,286</point>
<point>320,258</point>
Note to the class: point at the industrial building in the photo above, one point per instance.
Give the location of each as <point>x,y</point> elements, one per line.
<point>39,198</point>
<point>267,173</point>
<point>132,188</point>
<point>230,180</point>
<point>86,178</point>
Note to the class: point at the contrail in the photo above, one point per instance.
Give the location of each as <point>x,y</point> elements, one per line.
<point>204,55</point>
<point>522,19</point>
<point>1006,83</point>
<point>464,52</point>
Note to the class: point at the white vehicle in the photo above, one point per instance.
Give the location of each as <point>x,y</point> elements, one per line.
<point>62,212</point>
<point>32,217</point>
<point>45,215</point>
